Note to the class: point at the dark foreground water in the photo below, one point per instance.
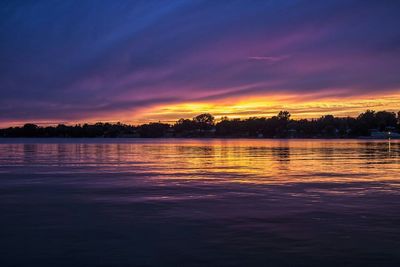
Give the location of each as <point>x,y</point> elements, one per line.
<point>121,202</point>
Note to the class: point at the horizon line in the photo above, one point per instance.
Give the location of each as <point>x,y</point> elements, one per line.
<point>172,122</point>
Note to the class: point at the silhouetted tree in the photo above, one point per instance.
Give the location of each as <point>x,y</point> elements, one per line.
<point>204,121</point>
<point>385,119</point>
<point>30,130</point>
<point>154,129</point>
<point>184,127</point>
<point>284,115</point>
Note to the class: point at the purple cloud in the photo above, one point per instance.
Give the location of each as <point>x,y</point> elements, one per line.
<point>79,59</point>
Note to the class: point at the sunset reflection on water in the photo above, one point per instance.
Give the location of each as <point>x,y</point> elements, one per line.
<point>217,161</point>
<point>199,202</point>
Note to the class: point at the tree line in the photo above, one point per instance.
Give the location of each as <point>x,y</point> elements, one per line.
<point>205,125</point>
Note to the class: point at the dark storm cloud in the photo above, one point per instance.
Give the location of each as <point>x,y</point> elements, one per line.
<point>75,59</point>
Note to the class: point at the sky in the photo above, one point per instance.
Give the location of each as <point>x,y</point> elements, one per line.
<point>141,61</point>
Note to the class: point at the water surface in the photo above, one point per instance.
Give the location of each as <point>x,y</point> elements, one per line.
<point>199,202</point>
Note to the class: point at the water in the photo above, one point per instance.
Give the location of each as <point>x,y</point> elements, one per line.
<point>166,202</point>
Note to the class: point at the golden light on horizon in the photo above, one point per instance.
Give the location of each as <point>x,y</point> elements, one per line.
<point>306,106</point>
<point>270,106</point>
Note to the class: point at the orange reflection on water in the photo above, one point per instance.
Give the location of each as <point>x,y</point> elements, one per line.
<point>214,161</point>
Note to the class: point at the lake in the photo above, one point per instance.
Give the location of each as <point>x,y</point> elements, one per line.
<point>199,202</point>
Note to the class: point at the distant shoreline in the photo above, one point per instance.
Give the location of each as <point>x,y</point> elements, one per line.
<point>379,125</point>
<point>205,138</point>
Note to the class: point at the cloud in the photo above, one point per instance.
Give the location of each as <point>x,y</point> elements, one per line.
<point>269,58</point>
<point>77,60</point>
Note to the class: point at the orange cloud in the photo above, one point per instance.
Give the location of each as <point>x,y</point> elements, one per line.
<point>305,107</point>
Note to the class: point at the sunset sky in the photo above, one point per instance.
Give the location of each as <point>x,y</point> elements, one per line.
<point>140,61</point>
